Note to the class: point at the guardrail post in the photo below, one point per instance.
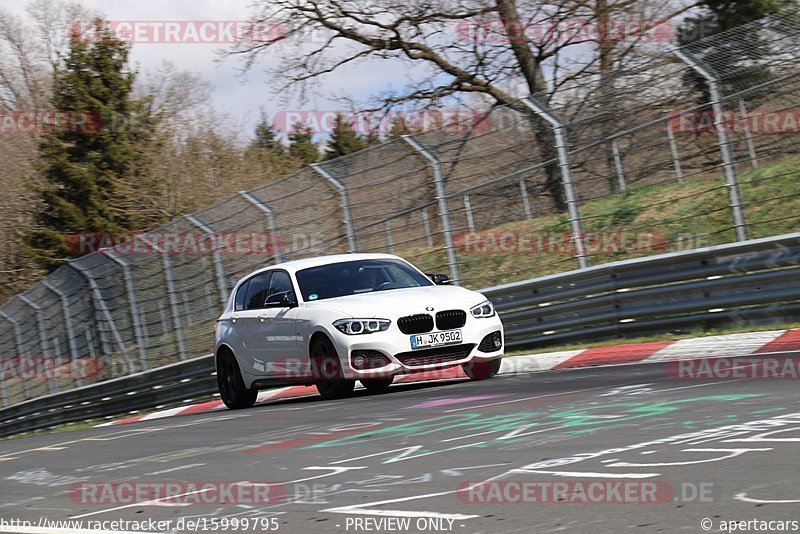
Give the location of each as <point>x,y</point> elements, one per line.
<point>219,267</point>
<point>68,325</point>
<point>42,336</point>
<point>444,212</point>
<point>100,305</point>
<point>673,150</point>
<point>133,305</point>
<point>728,163</point>
<point>618,165</point>
<point>566,178</point>
<point>344,201</point>
<point>26,387</point>
<point>172,293</point>
<point>264,208</point>
<point>748,137</point>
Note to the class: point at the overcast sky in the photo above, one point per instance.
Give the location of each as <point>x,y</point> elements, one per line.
<point>241,96</point>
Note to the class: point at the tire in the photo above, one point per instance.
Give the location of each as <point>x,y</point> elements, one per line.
<point>231,385</point>
<point>482,370</point>
<point>327,370</point>
<point>377,385</point>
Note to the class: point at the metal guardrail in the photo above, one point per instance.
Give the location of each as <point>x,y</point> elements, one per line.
<point>753,281</point>
<point>183,381</point>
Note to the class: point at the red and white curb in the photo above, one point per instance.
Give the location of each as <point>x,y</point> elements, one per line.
<point>730,346</point>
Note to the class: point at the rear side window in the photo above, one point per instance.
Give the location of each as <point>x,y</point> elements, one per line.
<point>257,290</point>
<point>241,295</point>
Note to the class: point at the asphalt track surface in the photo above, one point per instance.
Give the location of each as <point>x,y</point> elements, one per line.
<point>410,460</point>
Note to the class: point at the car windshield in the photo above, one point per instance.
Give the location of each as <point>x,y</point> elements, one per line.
<point>355,277</point>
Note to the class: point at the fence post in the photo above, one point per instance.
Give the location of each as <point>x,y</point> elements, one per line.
<point>219,267</point>
<point>526,205</point>
<point>26,387</point>
<point>673,149</point>
<point>100,305</point>
<point>172,293</point>
<point>387,232</point>
<point>444,212</point>
<point>133,305</point>
<point>748,137</point>
<point>68,325</point>
<point>468,209</point>
<point>728,164</point>
<point>344,201</point>
<point>426,226</point>
<point>277,251</point>
<point>618,165</point>
<point>566,178</point>
<point>42,335</point>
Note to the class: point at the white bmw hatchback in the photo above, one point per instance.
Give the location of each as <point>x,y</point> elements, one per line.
<point>332,320</point>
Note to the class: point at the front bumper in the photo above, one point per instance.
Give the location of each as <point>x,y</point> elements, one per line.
<point>396,347</point>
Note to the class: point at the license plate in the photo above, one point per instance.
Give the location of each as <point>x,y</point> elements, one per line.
<point>434,339</point>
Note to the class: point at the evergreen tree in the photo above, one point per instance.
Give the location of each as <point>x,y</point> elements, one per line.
<point>344,139</point>
<point>302,146</point>
<point>266,137</point>
<point>736,59</point>
<point>93,144</point>
<point>399,127</point>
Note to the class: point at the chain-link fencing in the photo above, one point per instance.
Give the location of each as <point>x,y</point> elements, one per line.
<point>674,149</point>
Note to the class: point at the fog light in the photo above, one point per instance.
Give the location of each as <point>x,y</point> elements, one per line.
<point>491,342</point>
<point>359,361</point>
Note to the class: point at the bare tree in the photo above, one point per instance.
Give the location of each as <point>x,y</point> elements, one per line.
<point>501,49</point>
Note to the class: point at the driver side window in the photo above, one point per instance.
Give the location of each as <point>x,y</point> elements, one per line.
<point>280,284</point>
<point>257,291</point>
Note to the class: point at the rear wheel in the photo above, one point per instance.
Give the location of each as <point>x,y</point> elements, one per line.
<point>377,385</point>
<point>231,385</point>
<point>327,370</point>
<point>482,370</point>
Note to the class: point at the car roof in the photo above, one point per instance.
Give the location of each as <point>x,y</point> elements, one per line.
<point>297,265</point>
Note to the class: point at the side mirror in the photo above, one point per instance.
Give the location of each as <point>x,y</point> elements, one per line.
<point>439,279</point>
<point>284,299</point>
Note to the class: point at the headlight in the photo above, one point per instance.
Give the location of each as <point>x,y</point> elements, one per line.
<point>361,326</point>
<point>484,309</point>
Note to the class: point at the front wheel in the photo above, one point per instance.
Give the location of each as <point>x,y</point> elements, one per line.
<point>377,385</point>
<point>231,385</point>
<point>327,371</point>
<point>482,370</point>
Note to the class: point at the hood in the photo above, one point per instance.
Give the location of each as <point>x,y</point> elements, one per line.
<point>399,302</point>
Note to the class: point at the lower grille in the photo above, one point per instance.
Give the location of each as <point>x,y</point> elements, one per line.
<point>415,324</point>
<point>435,356</point>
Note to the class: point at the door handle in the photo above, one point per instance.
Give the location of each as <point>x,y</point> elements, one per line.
<point>263,317</point>
<point>234,318</point>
